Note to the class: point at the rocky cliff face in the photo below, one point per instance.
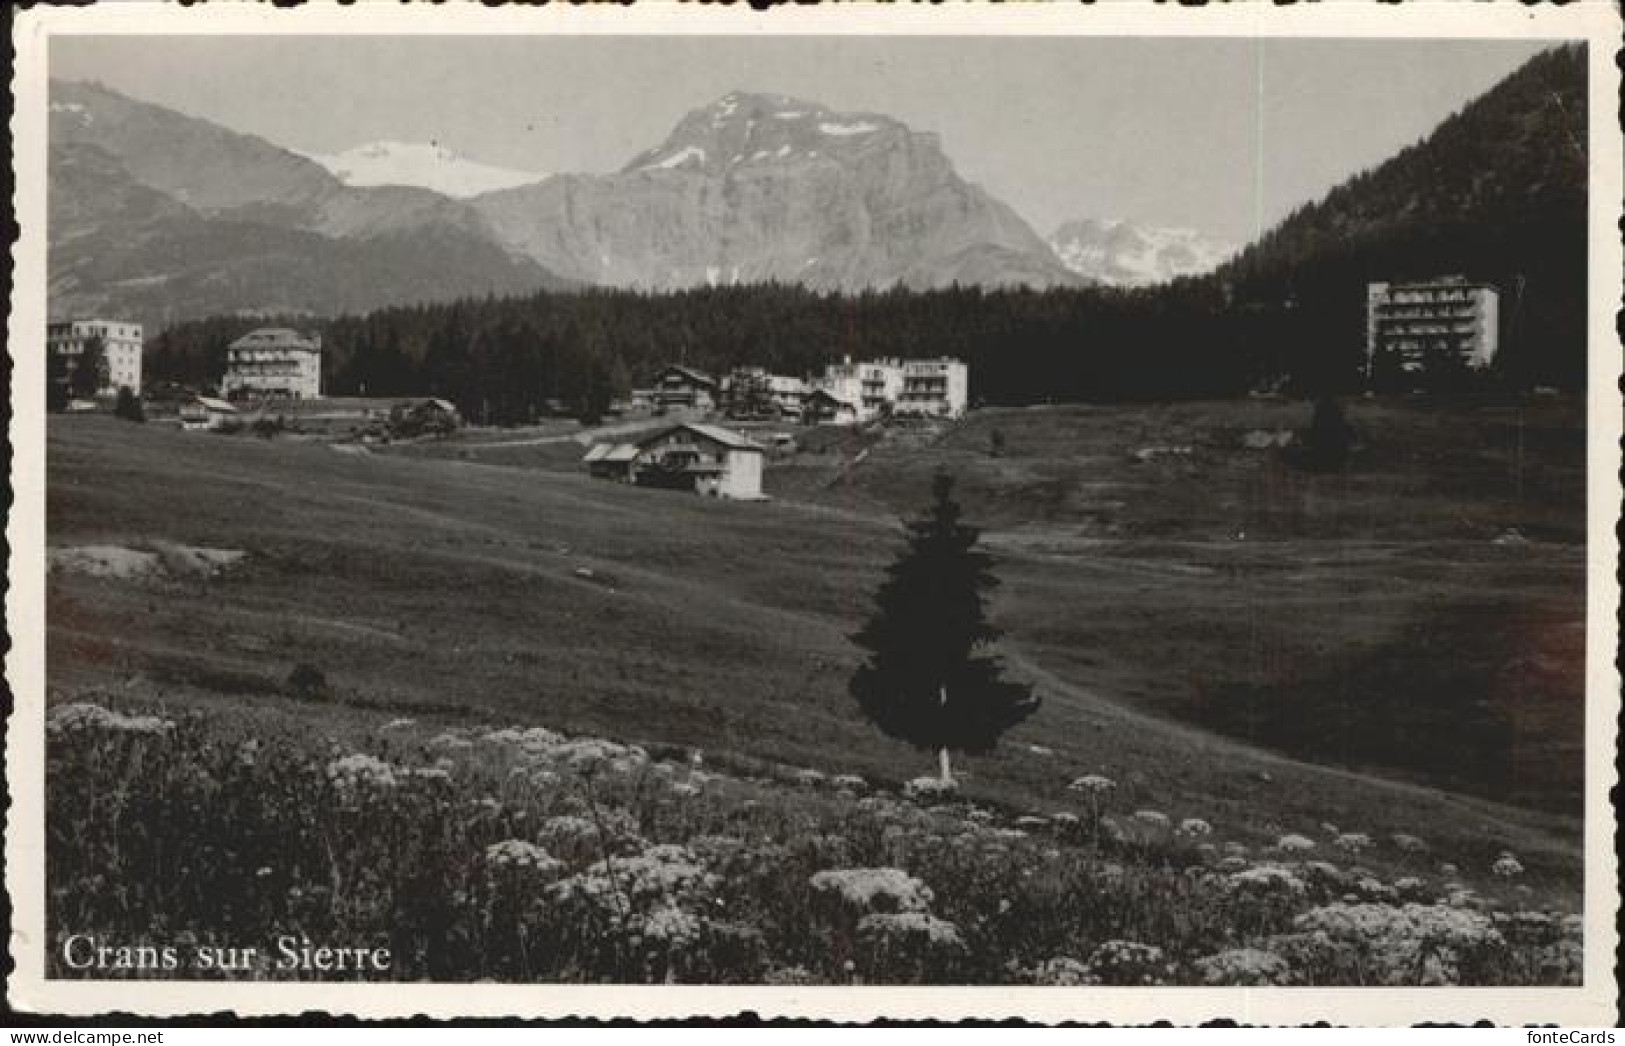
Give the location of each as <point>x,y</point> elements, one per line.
<point>757,187</point>
<point>1127,255</point>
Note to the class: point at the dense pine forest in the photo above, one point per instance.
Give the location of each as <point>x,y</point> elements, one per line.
<point>1497,193</point>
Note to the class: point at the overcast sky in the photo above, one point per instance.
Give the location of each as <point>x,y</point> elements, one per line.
<point>1225,136</point>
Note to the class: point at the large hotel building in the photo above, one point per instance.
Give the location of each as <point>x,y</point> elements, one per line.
<point>121,349</point>
<point>1411,323</point>
<point>273,362</point>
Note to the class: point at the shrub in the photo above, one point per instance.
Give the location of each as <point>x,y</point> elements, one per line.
<point>307,681</point>
<point>128,406</point>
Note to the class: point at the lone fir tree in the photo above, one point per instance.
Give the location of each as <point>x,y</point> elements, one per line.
<point>930,678</point>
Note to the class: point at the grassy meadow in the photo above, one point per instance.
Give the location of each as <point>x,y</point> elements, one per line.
<point>1393,650</point>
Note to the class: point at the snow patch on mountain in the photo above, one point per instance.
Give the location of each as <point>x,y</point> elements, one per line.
<point>680,157</point>
<point>843,129</point>
<point>423,165</point>
<point>1123,254</point>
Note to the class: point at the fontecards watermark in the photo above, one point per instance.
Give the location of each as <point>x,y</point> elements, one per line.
<point>285,954</point>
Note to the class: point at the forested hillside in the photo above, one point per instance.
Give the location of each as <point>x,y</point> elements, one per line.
<point>1497,192</point>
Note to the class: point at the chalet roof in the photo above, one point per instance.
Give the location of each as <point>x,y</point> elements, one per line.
<point>828,395</point>
<point>275,338</point>
<point>611,452</point>
<point>711,433</point>
<point>699,377</point>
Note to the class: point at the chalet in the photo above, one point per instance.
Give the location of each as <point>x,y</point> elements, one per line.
<point>706,459</point>
<point>822,408</point>
<point>753,392</point>
<point>683,388</point>
<point>206,414</point>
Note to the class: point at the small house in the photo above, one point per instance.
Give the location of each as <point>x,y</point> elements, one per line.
<point>705,459</point>
<point>822,408</point>
<point>206,414</point>
<point>614,461</point>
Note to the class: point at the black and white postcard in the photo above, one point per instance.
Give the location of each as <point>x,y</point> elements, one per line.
<point>852,512</point>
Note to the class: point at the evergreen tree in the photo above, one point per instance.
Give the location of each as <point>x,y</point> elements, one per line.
<point>56,383</point>
<point>930,679</point>
<point>1330,438</point>
<point>127,405</point>
<point>90,370</point>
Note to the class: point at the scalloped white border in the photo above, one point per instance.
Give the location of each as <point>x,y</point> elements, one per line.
<point>1593,1005</point>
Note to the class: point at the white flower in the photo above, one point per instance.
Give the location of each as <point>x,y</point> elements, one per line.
<point>850,782</point>
<point>1244,966</point>
<point>1412,944</point>
<point>1265,880</point>
<point>662,873</point>
<point>1195,826</point>
<point>1094,784</point>
<point>1063,971</point>
<point>1352,842</point>
<point>929,788</point>
<point>670,924</point>
<point>1507,866</point>
<point>1409,843</point>
<point>362,771</point>
<point>913,927</point>
<point>1127,963</point>
<point>85,716</point>
<point>398,724</point>
<point>889,889</point>
<point>1294,843</point>
<point>516,853</point>
<point>1155,818</point>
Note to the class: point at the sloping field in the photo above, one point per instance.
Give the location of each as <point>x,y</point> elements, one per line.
<point>478,593</point>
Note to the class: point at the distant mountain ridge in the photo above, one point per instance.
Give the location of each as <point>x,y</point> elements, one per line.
<point>1124,254</point>
<point>766,187</point>
<point>159,216</point>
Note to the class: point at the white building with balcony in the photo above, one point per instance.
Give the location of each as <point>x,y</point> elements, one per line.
<point>938,388</point>
<point>1447,318</point>
<point>121,350</point>
<point>273,362</point>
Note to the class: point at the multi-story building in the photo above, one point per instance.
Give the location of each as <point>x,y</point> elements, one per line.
<point>871,388</point>
<point>273,362</point>
<point>121,350</point>
<point>1412,325</point>
<point>684,388</point>
<point>754,392</point>
<point>938,388</point>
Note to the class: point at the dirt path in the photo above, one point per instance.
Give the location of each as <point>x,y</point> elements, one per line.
<point>583,437</point>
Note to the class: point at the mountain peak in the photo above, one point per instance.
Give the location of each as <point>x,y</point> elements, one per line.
<point>1122,253</point>
<point>744,127</point>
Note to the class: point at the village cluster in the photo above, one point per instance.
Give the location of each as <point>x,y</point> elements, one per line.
<point>1409,326</point>
<point>284,367</point>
